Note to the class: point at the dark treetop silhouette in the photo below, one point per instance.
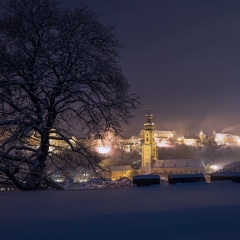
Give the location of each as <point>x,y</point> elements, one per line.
<point>59,77</point>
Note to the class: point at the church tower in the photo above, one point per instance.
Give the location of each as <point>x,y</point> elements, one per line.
<point>202,136</point>
<point>149,148</point>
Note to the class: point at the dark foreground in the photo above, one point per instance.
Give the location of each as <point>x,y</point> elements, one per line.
<point>185,211</point>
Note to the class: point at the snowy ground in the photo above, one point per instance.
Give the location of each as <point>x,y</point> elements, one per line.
<point>186,211</point>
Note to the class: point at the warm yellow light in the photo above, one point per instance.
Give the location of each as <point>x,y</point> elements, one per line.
<point>215,167</point>
<point>103,150</point>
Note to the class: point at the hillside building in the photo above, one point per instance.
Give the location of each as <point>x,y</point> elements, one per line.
<point>132,144</point>
<point>116,172</point>
<point>225,138</point>
<point>160,135</point>
<point>191,140</point>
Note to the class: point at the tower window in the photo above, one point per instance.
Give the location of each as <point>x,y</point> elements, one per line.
<point>147,139</point>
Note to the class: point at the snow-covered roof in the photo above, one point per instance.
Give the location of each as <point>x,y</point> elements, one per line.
<point>191,137</point>
<point>157,132</point>
<point>226,174</point>
<point>163,132</point>
<point>224,135</point>
<point>179,163</point>
<point>123,179</point>
<point>186,175</point>
<point>147,176</point>
<point>90,186</point>
<point>94,180</point>
<point>233,164</point>
<point>111,185</point>
<point>120,168</point>
<point>127,143</point>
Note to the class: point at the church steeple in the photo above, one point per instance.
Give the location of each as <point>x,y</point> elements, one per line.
<point>149,124</point>
<point>149,148</point>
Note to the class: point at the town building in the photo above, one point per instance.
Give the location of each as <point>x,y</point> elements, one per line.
<point>226,138</point>
<point>131,144</point>
<point>191,140</point>
<point>179,166</point>
<point>160,135</point>
<point>116,172</point>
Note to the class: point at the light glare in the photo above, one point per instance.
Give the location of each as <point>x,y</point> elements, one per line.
<point>103,150</point>
<point>215,167</point>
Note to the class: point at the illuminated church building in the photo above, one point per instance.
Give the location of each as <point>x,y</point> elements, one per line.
<point>150,162</point>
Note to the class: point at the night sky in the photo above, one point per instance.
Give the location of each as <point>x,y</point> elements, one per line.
<point>181,57</point>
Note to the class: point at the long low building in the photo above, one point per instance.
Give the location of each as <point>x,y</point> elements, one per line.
<point>178,166</point>
<point>225,138</point>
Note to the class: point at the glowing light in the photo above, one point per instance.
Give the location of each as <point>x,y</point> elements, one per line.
<point>215,167</point>
<point>238,140</point>
<point>189,143</point>
<point>219,137</point>
<point>103,150</point>
<point>162,144</point>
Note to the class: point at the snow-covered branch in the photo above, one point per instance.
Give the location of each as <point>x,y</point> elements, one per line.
<point>59,77</point>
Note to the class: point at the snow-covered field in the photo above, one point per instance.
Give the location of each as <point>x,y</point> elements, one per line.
<point>185,211</point>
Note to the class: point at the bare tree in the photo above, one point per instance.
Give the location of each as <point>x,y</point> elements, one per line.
<point>59,77</point>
